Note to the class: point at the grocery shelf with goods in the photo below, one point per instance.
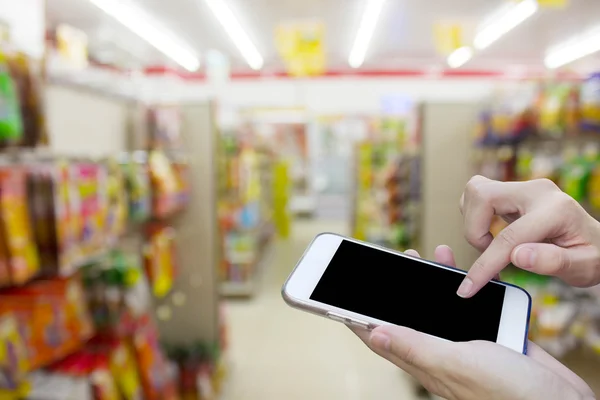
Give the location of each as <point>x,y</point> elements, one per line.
<point>552,132</point>
<point>388,188</point>
<point>246,199</point>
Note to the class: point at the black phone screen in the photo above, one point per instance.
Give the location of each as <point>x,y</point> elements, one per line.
<point>409,293</point>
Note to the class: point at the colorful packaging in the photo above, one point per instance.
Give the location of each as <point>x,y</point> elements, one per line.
<point>116,218</point>
<point>16,228</point>
<point>14,359</point>
<point>164,185</point>
<point>151,362</point>
<point>54,205</point>
<point>91,182</point>
<point>11,124</point>
<point>124,370</point>
<point>159,255</point>
<point>139,187</point>
<point>590,103</point>
<point>54,317</point>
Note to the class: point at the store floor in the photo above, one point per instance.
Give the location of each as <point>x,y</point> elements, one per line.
<point>278,353</point>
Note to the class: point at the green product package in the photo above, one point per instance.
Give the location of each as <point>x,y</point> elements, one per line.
<point>574,178</point>
<point>11,124</point>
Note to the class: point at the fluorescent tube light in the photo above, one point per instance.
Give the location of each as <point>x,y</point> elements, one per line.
<point>573,49</point>
<point>365,32</point>
<point>139,22</point>
<point>505,22</point>
<point>460,57</point>
<point>237,34</point>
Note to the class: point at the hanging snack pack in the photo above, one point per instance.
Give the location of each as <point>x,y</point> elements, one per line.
<point>116,218</point>
<point>90,180</point>
<point>137,179</point>
<point>164,185</point>
<point>30,95</point>
<point>55,212</point>
<point>17,237</point>
<point>590,103</point>
<point>11,124</point>
<point>14,362</point>
<point>159,255</point>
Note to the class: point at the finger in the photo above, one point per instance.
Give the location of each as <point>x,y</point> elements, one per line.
<point>483,200</point>
<point>412,253</point>
<point>412,348</point>
<point>542,357</point>
<point>531,228</point>
<point>444,255</point>
<point>578,266</point>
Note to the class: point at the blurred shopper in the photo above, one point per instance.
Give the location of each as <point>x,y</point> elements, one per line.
<point>549,233</point>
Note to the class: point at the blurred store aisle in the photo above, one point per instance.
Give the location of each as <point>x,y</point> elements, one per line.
<point>280,353</point>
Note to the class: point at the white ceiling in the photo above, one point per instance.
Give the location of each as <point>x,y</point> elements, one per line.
<point>403,38</point>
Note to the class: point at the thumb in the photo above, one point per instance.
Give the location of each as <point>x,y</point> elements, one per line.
<point>410,348</point>
<point>577,266</point>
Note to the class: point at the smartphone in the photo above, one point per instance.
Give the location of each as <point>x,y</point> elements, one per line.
<point>364,285</point>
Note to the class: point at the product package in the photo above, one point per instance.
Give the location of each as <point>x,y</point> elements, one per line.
<point>54,205</point>
<point>590,103</point>
<point>137,179</point>
<point>11,123</point>
<point>160,259</point>
<point>18,246</point>
<point>91,183</point>
<point>54,316</point>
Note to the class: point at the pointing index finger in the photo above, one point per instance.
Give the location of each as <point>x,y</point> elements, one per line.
<point>530,228</point>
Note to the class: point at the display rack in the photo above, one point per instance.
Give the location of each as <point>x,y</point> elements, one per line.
<point>388,189</point>
<point>553,133</point>
<point>245,210</point>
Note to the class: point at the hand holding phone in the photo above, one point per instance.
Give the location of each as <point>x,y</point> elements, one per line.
<point>366,286</point>
<point>474,370</point>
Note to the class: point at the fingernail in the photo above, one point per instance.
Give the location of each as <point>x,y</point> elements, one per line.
<point>380,341</point>
<point>524,257</point>
<point>465,287</point>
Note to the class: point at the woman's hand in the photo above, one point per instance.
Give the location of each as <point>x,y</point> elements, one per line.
<point>474,370</point>
<point>549,233</point>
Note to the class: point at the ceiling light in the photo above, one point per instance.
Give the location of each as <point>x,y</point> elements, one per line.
<point>236,33</point>
<point>365,32</point>
<point>139,22</point>
<point>460,57</point>
<point>573,49</point>
<point>505,21</point>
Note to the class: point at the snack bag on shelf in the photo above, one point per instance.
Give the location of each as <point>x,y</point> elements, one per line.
<point>590,103</point>
<point>559,111</point>
<point>152,365</point>
<point>164,185</point>
<point>124,371</point>
<point>159,256</point>
<point>14,359</point>
<point>575,177</point>
<point>91,183</point>
<point>116,218</point>
<point>57,315</point>
<point>11,124</point>
<point>137,178</point>
<point>16,228</point>
<point>54,207</point>
<point>26,74</point>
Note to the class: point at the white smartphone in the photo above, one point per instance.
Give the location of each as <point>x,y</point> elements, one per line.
<point>365,285</point>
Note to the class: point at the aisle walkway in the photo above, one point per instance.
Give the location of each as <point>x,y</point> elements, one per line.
<point>278,353</point>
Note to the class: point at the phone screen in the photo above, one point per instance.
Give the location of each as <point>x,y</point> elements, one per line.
<point>409,293</point>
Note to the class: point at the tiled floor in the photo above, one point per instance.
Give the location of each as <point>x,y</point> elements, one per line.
<point>278,353</point>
